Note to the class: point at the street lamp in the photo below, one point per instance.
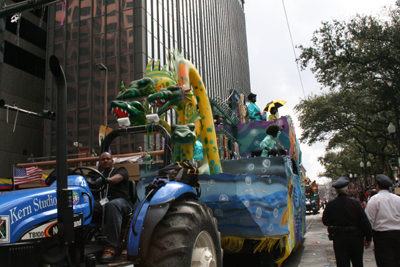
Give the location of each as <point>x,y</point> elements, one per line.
<point>102,67</point>
<point>391,129</point>
<point>365,171</point>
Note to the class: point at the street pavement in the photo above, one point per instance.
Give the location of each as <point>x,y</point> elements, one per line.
<point>316,250</point>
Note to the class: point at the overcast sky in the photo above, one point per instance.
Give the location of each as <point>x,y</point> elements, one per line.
<point>273,71</point>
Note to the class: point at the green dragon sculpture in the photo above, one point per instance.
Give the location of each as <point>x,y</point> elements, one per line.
<point>183,90</point>
<point>133,110</point>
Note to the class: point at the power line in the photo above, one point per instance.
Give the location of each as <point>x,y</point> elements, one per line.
<point>294,51</point>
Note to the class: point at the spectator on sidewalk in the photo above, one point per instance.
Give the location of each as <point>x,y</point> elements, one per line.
<point>383,212</point>
<point>348,226</point>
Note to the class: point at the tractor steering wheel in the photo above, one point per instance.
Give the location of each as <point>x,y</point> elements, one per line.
<point>90,182</point>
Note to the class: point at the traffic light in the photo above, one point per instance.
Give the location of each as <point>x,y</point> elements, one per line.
<point>394,161</point>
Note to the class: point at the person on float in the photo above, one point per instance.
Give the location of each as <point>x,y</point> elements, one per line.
<point>274,114</point>
<point>273,131</point>
<point>253,109</point>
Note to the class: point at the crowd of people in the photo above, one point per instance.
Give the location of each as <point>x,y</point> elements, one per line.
<point>353,225</point>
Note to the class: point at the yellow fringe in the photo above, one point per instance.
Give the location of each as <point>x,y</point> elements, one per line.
<point>232,243</point>
<point>266,244</point>
<point>235,244</point>
<point>286,253</point>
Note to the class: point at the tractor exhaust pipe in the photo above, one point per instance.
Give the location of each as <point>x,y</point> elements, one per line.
<point>64,195</point>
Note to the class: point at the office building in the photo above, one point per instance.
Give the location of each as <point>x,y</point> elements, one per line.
<point>22,83</point>
<point>124,36</point>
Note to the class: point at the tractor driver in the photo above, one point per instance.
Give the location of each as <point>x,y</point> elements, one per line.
<point>114,202</point>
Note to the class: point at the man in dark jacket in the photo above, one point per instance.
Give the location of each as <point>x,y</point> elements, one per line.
<point>348,226</point>
<point>114,202</point>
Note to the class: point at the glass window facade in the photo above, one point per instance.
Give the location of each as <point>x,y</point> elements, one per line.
<point>124,36</point>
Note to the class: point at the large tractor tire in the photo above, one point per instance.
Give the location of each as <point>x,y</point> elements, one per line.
<point>186,236</point>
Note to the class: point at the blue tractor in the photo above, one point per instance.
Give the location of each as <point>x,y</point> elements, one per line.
<point>53,226</point>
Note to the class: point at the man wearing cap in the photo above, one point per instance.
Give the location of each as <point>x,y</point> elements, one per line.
<point>383,212</point>
<point>348,226</point>
<point>252,108</point>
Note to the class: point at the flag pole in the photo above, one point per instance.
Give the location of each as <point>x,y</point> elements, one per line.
<point>13,183</point>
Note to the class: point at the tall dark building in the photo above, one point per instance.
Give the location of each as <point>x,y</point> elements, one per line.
<point>124,36</point>
<point>22,82</point>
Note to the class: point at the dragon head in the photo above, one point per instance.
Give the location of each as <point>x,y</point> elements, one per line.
<point>156,78</point>
<point>165,98</point>
<point>183,134</point>
<point>134,110</point>
<point>137,89</point>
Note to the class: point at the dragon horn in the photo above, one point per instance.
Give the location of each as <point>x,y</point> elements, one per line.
<point>123,89</point>
<point>149,66</point>
<point>157,65</point>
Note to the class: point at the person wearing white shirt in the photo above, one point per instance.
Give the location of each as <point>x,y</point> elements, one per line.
<point>383,212</point>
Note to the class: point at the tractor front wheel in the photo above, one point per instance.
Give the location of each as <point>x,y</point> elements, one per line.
<point>186,236</point>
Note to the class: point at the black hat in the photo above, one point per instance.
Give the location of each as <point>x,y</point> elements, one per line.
<point>251,96</point>
<point>341,182</point>
<point>383,181</point>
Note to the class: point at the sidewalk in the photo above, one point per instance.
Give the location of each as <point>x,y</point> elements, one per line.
<point>316,250</point>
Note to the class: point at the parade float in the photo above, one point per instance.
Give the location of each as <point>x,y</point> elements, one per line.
<point>258,202</point>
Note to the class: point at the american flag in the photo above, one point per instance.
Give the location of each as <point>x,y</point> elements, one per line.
<point>27,175</point>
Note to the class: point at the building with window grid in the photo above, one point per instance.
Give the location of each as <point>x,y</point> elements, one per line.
<point>123,36</point>
<point>22,82</point>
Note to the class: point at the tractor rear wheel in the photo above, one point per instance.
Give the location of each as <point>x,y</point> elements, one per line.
<point>186,236</point>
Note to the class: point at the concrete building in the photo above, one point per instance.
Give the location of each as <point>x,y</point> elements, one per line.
<point>124,36</point>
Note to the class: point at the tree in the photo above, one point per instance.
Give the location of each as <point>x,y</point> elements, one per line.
<point>358,61</point>
<point>347,160</point>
